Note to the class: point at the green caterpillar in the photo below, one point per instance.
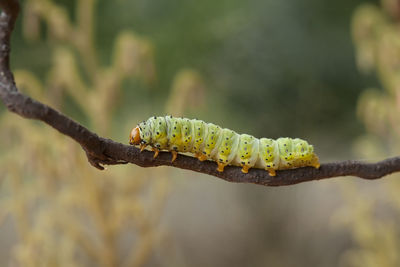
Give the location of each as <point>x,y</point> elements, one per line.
<point>224,146</point>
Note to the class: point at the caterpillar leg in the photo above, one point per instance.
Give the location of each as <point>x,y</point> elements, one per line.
<point>142,147</point>
<point>156,151</point>
<point>174,155</point>
<point>271,172</point>
<point>316,165</point>
<point>201,157</point>
<point>221,167</point>
<point>245,168</point>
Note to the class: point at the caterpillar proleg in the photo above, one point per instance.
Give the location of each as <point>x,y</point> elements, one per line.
<point>207,141</point>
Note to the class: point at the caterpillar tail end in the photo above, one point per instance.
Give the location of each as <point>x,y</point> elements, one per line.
<point>174,156</point>
<point>315,162</point>
<point>221,167</point>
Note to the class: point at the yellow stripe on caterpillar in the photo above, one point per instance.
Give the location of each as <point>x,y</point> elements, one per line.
<point>207,141</point>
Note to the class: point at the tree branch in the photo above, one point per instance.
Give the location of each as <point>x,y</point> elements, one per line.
<point>100,150</point>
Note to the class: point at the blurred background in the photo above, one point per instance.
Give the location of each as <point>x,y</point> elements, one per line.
<point>324,71</point>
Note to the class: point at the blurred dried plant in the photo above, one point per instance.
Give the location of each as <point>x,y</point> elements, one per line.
<point>67,213</point>
<point>187,93</point>
<point>96,92</point>
<point>374,218</point>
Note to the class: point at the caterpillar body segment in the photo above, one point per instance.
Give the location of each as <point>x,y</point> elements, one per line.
<point>199,131</point>
<point>207,141</point>
<point>247,152</point>
<point>211,141</point>
<point>268,155</point>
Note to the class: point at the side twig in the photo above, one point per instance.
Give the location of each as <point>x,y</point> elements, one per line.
<point>101,151</point>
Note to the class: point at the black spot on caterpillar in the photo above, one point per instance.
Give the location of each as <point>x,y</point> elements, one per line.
<point>223,146</point>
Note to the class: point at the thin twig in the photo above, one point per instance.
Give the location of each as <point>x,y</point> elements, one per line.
<point>102,151</point>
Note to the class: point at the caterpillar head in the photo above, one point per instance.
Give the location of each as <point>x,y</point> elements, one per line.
<point>141,134</point>
<point>134,137</point>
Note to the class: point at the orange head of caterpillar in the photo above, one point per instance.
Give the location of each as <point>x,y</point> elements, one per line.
<point>134,137</point>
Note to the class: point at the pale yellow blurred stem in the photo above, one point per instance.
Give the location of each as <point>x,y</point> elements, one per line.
<point>159,194</point>
<point>81,35</point>
<point>146,235</point>
<point>394,122</point>
<point>65,74</point>
<point>141,252</point>
<point>96,208</point>
<point>85,32</point>
<point>75,231</point>
<point>144,222</point>
<point>20,210</point>
<point>31,85</point>
<point>56,17</point>
<point>67,223</point>
<point>187,92</point>
<point>104,99</point>
<point>4,210</point>
<point>106,82</point>
<point>79,92</point>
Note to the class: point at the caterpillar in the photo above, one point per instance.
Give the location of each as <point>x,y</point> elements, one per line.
<point>207,141</point>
